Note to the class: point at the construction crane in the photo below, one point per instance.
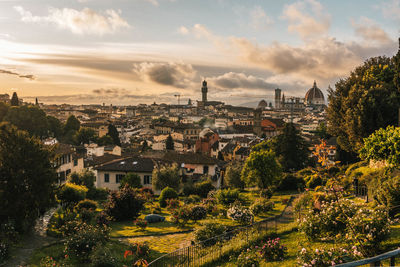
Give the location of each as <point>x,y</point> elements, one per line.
<point>179,99</point>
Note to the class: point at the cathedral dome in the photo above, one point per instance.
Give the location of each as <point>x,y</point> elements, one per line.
<point>314,96</point>
<point>262,104</point>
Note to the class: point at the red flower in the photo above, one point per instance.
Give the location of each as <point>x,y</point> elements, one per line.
<point>127,253</point>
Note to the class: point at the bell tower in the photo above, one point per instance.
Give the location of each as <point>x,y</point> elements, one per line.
<point>204,91</point>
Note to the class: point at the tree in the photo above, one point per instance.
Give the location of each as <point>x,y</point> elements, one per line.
<point>164,176</point>
<point>55,127</point>
<point>364,102</point>
<point>322,131</point>
<point>169,143</point>
<point>28,118</point>
<point>113,133</point>
<point>131,179</point>
<point>70,194</point>
<point>261,169</point>
<point>232,175</point>
<point>27,178</point>
<point>145,146</point>
<point>124,204</point>
<point>85,178</point>
<point>72,124</point>
<point>14,100</point>
<point>85,136</point>
<point>105,140</point>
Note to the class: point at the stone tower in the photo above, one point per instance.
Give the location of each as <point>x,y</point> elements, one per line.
<point>204,91</point>
<point>278,98</point>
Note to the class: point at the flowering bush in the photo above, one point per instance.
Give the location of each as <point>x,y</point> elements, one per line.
<point>138,250</point>
<point>167,193</point>
<point>330,257</point>
<point>208,231</point>
<point>248,258</point>
<point>172,204</point>
<point>181,215</point>
<point>272,250</point>
<point>192,199</point>
<point>102,257</point>
<point>142,224</point>
<point>85,238</point>
<point>49,262</point>
<point>198,212</point>
<point>240,214</point>
<point>227,196</point>
<point>261,205</point>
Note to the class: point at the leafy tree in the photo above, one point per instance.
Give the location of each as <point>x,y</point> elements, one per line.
<point>169,143</point>
<point>105,140</point>
<point>131,179</point>
<point>145,146</point>
<point>322,131</point>
<point>28,118</point>
<point>27,178</point>
<point>364,102</point>
<point>55,127</point>
<point>85,178</point>
<point>70,194</point>
<point>14,100</point>
<point>166,176</point>
<point>261,169</point>
<point>124,204</point>
<point>85,136</point>
<point>113,133</point>
<point>72,124</point>
<point>232,175</point>
<point>167,193</point>
<point>3,110</point>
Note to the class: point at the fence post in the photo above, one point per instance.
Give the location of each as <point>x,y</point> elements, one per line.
<point>393,261</point>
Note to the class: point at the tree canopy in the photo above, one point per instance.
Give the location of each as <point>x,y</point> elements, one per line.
<point>27,177</point>
<point>363,102</point>
<point>85,136</point>
<point>164,176</point>
<point>14,100</point>
<point>169,143</point>
<point>72,124</point>
<point>113,133</point>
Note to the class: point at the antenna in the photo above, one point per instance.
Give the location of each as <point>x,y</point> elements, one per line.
<point>179,99</point>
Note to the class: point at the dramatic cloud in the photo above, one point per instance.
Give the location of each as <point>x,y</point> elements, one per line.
<point>259,19</point>
<point>86,21</point>
<point>27,76</point>
<point>370,31</point>
<point>233,80</point>
<point>307,18</point>
<point>172,74</point>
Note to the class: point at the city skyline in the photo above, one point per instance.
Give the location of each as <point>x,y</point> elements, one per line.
<point>141,51</point>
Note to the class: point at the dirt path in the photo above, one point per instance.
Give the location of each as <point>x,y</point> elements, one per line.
<point>36,239</point>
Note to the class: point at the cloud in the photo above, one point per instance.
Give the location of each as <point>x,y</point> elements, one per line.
<point>370,31</point>
<point>111,92</point>
<point>233,80</point>
<point>85,21</point>
<point>183,30</point>
<point>259,19</point>
<point>153,2</point>
<point>171,74</point>
<point>27,76</point>
<point>391,9</point>
<point>307,18</point>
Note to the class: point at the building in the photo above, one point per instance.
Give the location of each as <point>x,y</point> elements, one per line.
<point>67,161</point>
<point>204,91</point>
<point>314,97</point>
<point>278,98</point>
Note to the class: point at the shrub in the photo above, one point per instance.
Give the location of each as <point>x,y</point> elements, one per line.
<point>142,224</point>
<point>207,231</point>
<point>261,205</point>
<point>266,193</point>
<point>140,250</point>
<point>314,180</point>
<point>227,196</point>
<point>131,179</point>
<point>198,212</point>
<point>85,178</point>
<point>173,204</point>
<point>124,204</point>
<point>188,188</point>
<point>86,215</point>
<point>147,193</point>
<point>167,193</point>
<point>248,258</point>
<point>240,214</point>
<point>181,215</point>
<point>70,194</point>
<point>156,209</point>
<point>86,204</point>
<point>49,262</point>
<point>329,257</point>
<point>4,251</point>
<point>272,250</point>
<point>202,188</point>
<point>290,182</point>
<point>192,199</point>
<point>102,219</point>
<point>97,193</point>
<point>303,202</point>
<point>166,176</point>
<point>85,238</point>
<point>102,257</point>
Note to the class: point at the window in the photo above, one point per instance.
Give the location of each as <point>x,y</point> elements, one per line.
<point>106,177</point>
<point>119,177</point>
<point>67,172</point>
<point>75,162</point>
<point>147,179</point>
<point>205,169</point>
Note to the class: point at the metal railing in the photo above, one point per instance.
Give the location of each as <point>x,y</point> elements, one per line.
<point>215,248</point>
<point>388,258</point>
<point>361,191</point>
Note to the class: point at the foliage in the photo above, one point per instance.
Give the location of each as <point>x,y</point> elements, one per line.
<point>363,102</point>
<point>55,127</point>
<point>105,140</point>
<point>173,203</point>
<point>248,258</point>
<point>240,214</point>
<point>192,199</point>
<point>261,169</point>
<point>100,194</point>
<point>102,256</point>
<point>383,145</point>
<point>322,153</point>
<point>49,262</point>
<point>28,118</point>
<point>167,193</point>
<point>227,196</point>
<point>164,176</point>
<point>131,179</point>
<point>86,204</point>
<point>4,251</point>
<point>181,215</point>
<point>202,188</point>
<point>85,178</point>
<point>329,257</point>
<point>198,212</point>
<point>272,250</point>
<point>207,231</point>
<point>290,181</point>
<point>232,176</point>
<point>113,133</point>
<point>139,250</point>
<point>142,224</point>
<point>388,194</point>
<point>70,194</point>
<point>303,202</point>
<point>72,125</point>
<point>3,110</point>
<point>27,178</point>
<point>124,204</point>
<point>261,205</point>
<point>85,136</point>
<point>169,143</point>
<point>85,238</point>
<point>322,131</point>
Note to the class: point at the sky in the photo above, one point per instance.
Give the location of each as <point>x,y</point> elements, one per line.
<point>126,52</point>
